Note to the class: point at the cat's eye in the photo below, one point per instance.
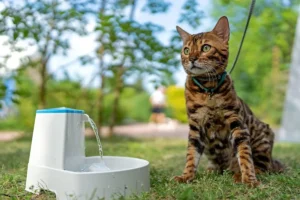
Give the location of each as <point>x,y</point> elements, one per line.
<point>186,51</point>
<point>206,48</point>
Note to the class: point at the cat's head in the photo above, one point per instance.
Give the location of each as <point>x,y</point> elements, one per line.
<point>206,53</point>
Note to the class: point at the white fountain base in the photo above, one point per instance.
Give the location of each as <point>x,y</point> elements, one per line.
<point>126,176</point>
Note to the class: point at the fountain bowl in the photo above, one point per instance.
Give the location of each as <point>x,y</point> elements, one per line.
<point>127,176</point>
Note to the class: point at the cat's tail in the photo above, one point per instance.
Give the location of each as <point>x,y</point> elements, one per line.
<point>278,167</point>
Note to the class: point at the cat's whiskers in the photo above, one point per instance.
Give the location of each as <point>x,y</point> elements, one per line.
<point>206,72</point>
<point>212,74</point>
<point>215,76</point>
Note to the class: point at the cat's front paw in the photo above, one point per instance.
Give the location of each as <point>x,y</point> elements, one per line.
<point>237,178</point>
<point>185,178</point>
<point>251,182</point>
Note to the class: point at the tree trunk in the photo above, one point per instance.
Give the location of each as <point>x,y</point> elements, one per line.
<point>119,84</point>
<point>44,73</point>
<point>43,86</point>
<point>100,102</point>
<point>117,94</point>
<point>290,126</point>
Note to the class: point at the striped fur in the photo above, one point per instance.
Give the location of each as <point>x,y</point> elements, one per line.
<point>221,125</point>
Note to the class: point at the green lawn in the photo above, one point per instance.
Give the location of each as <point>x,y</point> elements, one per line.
<point>167,159</point>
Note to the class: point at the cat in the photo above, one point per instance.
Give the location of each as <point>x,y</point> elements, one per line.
<point>221,125</point>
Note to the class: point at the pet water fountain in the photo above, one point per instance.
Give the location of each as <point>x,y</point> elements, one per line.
<point>58,163</point>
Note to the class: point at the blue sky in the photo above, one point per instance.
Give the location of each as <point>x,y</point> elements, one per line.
<point>85,45</point>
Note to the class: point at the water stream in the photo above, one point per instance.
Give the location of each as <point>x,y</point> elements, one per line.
<point>100,166</point>
<point>95,129</point>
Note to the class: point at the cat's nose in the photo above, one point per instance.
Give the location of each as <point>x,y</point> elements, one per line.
<point>193,59</point>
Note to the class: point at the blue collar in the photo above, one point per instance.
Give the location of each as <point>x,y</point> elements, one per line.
<point>211,90</point>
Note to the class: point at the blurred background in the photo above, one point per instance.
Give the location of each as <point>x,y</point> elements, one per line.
<point>106,57</point>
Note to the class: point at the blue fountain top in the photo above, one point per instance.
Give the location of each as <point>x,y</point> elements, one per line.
<point>60,110</point>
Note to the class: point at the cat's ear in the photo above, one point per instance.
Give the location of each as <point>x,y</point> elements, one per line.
<point>183,34</point>
<point>222,29</point>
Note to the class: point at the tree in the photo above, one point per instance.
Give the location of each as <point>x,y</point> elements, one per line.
<point>44,24</point>
<point>127,48</point>
<point>131,48</point>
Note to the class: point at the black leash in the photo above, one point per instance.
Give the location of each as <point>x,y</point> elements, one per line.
<point>244,34</point>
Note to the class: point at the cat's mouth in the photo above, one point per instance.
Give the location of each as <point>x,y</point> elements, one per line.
<point>197,70</point>
<point>197,67</point>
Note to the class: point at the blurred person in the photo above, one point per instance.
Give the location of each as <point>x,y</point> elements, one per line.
<point>158,104</point>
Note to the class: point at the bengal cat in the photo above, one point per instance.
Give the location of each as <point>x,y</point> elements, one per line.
<point>221,125</point>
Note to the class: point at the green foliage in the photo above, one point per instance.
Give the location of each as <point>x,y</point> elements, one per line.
<point>11,123</point>
<point>69,93</point>
<point>128,49</point>
<point>26,114</point>
<point>23,117</point>
<point>191,13</point>
<point>176,103</point>
<point>44,24</point>
<point>135,105</point>
<point>154,6</point>
<point>123,38</point>
<point>2,88</point>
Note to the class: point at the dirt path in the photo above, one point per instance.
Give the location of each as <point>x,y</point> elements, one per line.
<point>9,135</point>
<point>149,130</point>
<point>134,130</point>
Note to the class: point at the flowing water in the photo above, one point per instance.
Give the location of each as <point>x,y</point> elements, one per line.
<point>96,167</point>
<point>95,129</point>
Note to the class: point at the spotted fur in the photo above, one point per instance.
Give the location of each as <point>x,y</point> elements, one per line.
<point>221,125</point>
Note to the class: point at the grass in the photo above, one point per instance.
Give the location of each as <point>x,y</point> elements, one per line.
<point>167,158</point>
